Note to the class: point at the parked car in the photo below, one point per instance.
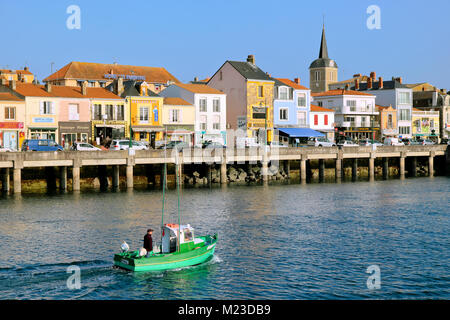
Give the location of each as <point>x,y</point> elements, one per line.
<point>124,144</point>
<point>41,145</point>
<point>277,144</point>
<point>410,142</point>
<point>82,146</point>
<point>368,142</point>
<point>393,142</point>
<point>210,144</point>
<point>425,142</point>
<point>245,142</point>
<point>5,149</point>
<point>320,142</point>
<point>347,143</point>
<point>175,144</point>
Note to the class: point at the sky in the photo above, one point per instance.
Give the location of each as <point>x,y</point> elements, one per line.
<point>193,38</point>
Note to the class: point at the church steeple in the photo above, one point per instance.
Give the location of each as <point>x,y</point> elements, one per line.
<point>323,53</point>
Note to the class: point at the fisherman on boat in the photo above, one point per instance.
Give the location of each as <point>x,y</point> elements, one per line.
<point>148,241</point>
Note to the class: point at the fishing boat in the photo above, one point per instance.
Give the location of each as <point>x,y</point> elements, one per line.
<point>179,246</point>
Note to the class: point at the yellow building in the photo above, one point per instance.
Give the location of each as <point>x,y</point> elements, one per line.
<point>388,121</point>
<point>425,123</point>
<point>260,108</point>
<point>24,75</point>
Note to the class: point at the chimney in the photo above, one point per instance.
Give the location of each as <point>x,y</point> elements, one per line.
<point>26,68</point>
<point>346,87</point>
<point>196,79</point>
<point>119,86</point>
<point>399,79</point>
<point>12,84</point>
<point>443,91</point>
<point>380,83</point>
<point>251,59</point>
<point>369,83</point>
<point>48,87</point>
<point>373,75</point>
<point>84,88</point>
<point>356,84</point>
<point>357,75</point>
<point>297,80</point>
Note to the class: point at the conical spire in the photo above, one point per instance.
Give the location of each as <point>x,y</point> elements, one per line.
<point>323,53</point>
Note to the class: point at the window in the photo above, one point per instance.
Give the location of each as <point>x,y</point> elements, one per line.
<point>120,112</point>
<point>284,114</point>
<point>404,98</point>
<point>110,111</point>
<point>260,91</point>
<point>301,118</point>
<point>10,113</point>
<point>73,112</point>
<point>203,122</point>
<point>175,116</point>
<point>202,105</point>
<point>143,114</point>
<point>284,93</point>
<point>216,105</point>
<point>316,119</point>
<point>301,100</point>
<point>97,112</point>
<point>363,121</point>
<point>319,103</point>
<point>403,130</point>
<point>405,114</point>
<point>220,75</point>
<point>317,75</point>
<point>351,104</point>
<point>46,107</point>
<point>325,119</point>
<point>390,122</point>
<point>216,123</point>
<point>259,113</point>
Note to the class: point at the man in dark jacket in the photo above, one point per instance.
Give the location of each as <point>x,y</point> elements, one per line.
<point>148,241</point>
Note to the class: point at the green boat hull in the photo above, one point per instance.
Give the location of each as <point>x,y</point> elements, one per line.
<point>167,261</point>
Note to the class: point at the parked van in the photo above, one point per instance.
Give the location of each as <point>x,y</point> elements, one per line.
<point>393,142</point>
<point>40,145</point>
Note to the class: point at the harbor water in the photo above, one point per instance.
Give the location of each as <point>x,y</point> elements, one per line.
<point>282,241</point>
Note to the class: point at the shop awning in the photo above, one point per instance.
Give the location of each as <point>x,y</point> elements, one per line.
<point>300,132</point>
<point>147,129</point>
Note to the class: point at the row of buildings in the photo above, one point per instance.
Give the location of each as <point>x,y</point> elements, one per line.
<point>94,102</point>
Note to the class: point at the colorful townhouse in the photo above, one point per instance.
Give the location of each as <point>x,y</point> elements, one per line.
<point>143,108</point>
<point>103,74</point>
<point>178,119</point>
<point>291,104</point>
<point>250,95</point>
<point>355,112</point>
<point>388,122</point>
<point>425,124</point>
<point>322,120</point>
<point>210,110</point>
<point>12,121</point>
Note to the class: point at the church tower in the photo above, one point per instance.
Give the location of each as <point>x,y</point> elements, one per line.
<point>323,70</point>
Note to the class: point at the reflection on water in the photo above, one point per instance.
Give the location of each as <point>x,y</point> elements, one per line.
<point>288,241</point>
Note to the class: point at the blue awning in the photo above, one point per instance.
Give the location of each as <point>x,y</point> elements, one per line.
<point>300,132</point>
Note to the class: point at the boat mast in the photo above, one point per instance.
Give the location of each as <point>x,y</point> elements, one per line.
<point>164,183</point>
<point>177,172</point>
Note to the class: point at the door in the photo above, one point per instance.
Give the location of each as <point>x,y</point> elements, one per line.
<point>10,140</point>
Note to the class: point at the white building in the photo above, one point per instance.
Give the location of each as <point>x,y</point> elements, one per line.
<point>322,120</point>
<point>355,112</point>
<point>210,110</point>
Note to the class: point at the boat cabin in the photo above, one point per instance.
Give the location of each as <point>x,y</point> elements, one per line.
<point>170,238</point>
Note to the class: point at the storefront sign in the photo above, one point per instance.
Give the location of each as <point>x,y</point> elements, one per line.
<point>43,120</point>
<point>11,125</point>
<point>124,76</point>
<point>242,122</point>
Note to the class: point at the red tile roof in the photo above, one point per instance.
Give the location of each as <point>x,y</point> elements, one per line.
<point>315,108</point>
<point>340,92</point>
<point>292,84</point>
<point>174,101</point>
<point>96,71</point>
<point>33,90</point>
<point>6,96</point>
<point>199,88</point>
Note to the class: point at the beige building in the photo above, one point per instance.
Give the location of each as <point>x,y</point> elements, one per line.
<point>178,119</point>
<point>17,75</point>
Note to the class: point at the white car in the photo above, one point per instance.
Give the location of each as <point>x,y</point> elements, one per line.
<point>393,142</point>
<point>347,143</point>
<point>5,149</point>
<point>125,145</point>
<point>368,142</point>
<point>82,146</point>
<point>276,144</point>
<point>320,142</point>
